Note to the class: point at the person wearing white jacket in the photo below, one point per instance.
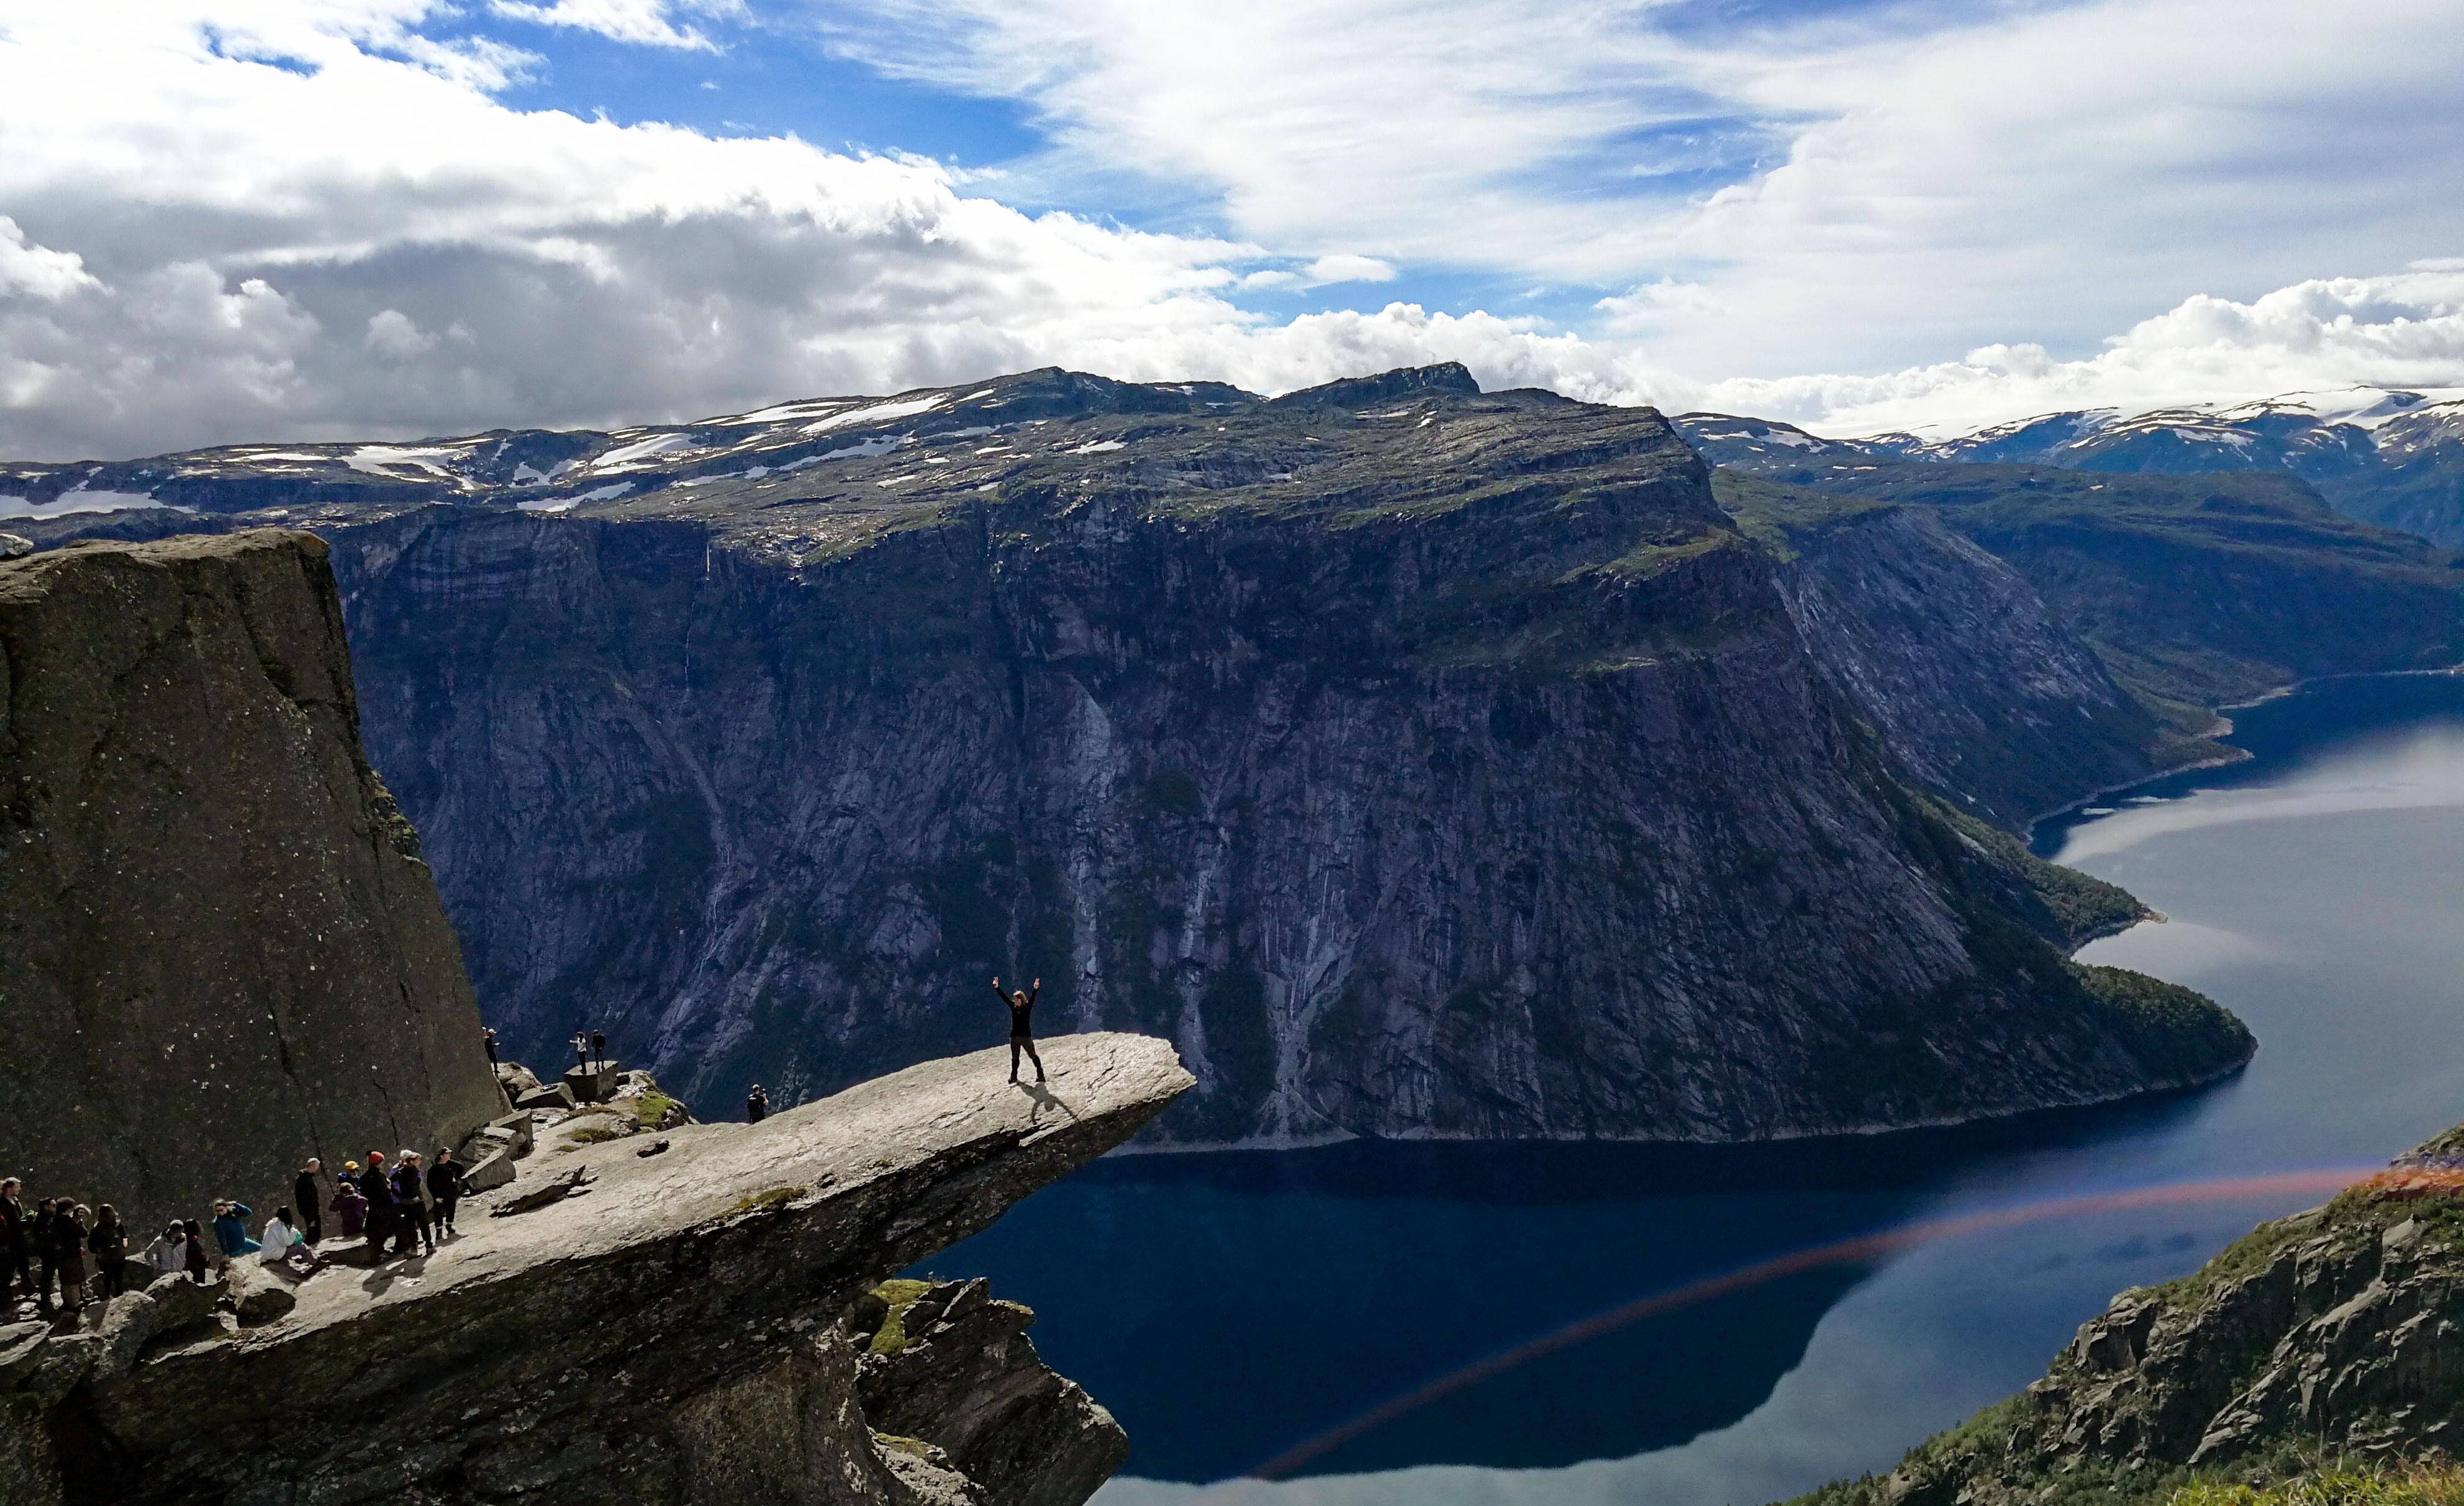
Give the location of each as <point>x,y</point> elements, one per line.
<point>168,1254</point>
<point>280,1239</point>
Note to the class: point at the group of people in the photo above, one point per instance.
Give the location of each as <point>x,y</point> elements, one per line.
<point>405,1205</point>
<point>61,1254</point>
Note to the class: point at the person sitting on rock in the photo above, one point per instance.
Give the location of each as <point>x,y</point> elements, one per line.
<point>445,1187</point>
<point>282,1236</point>
<point>231,1235</point>
<point>192,1251</point>
<point>350,1204</point>
<point>756,1106</point>
<point>1022,1029</point>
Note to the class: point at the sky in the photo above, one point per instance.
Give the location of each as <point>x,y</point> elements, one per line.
<point>250,220</point>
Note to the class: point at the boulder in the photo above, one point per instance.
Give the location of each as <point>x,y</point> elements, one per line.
<point>20,1347</point>
<point>518,1128</point>
<point>594,1083</point>
<point>180,1302</point>
<point>553,1095</point>
<point>264,1303</point>
<point>555,1189</point>
<point>59,1364</point>
<point>515,1080</point>
<point>183,755</point>
<point>490,1172</point>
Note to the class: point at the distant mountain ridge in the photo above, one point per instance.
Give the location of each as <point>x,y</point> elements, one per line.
<point>2382,455</point>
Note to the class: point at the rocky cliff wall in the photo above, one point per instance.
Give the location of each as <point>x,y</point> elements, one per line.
<point>1975,688</point>
<point>1467,777</point>
<point>2336,1331</point>
<point>659,1329</point>
<point>219,950</point>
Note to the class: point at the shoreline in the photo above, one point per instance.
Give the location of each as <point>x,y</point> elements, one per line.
<point>2222,727</point>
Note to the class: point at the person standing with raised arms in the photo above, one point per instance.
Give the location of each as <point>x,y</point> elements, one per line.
<point>1022,1028</point>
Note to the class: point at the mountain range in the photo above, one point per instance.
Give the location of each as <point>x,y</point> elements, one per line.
<point>2380,456</point>
<point>1421,760</point>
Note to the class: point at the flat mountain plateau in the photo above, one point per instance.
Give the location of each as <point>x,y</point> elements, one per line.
<point>1421,761</point>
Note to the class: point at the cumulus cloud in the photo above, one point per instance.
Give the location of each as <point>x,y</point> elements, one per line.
<point>266,218</point>
<point>37,271</point>
<point>1853,188</point>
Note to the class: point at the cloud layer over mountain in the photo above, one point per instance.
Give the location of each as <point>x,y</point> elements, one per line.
<point>266,218</point>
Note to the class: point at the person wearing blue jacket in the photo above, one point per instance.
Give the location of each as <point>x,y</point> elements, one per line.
<point>230,1233</point>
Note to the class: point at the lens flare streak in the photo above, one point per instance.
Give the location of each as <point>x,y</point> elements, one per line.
<point>1854,1251</point>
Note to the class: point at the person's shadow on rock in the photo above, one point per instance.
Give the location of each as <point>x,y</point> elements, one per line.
<point>391,1270</point>
<point>1043,1097</point>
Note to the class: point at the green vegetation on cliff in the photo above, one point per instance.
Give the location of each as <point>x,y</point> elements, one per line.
<point>2304,1363</point>
<point>2417,1483</point>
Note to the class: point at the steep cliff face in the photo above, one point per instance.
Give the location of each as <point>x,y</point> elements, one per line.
<point>667,1332</point>
<point>2339,1330</point>
<point>1421,762</point>
<point>2196,591</point>
<point>219,950</point>
<point>1954,659</point>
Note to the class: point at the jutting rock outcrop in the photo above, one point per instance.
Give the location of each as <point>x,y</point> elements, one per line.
<point>219,950</point>
<point>2334,1331</point>
<point>665,1330</point>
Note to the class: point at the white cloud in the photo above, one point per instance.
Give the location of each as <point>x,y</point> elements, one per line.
<point>37,271</point>
<point>649,23</point>
<point>1345,268</point>
<point>392,335</point>
<point>290,219</point>
<point>1857,190</point>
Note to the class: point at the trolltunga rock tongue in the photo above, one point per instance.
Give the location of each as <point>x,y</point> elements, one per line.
<point>650,1337</point>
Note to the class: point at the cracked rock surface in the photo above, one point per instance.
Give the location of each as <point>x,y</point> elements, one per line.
<point>219,950</point>
<point>671,1338</point>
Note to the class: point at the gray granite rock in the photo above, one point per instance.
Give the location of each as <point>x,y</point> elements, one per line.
<point>207,877</point>
<point>631,1343</point>
<point>968,1382</point>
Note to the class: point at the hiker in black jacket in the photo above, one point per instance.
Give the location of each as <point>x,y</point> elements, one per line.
<point>418,1232</point>
<point>15,1240</point>
<point>385,1211</point>
<point>445,1189</point>
<point>308,1196</point>
<point>1021,1032</point>
<point>47,1247</point>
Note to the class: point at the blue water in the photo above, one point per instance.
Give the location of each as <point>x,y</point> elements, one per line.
<point>1230,1306</point>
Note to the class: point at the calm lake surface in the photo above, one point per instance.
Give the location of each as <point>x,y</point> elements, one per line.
<point>1231,1307</point>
